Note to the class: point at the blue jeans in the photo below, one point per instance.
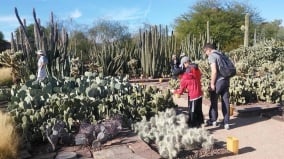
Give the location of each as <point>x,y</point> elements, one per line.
<point>222,89</point>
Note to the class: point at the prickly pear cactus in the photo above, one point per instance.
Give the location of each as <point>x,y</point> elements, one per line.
<point>260,71</point>
<point>92,98</point>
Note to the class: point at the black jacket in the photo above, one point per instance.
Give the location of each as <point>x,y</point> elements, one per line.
<point>175,65</point>
<point>180,70</point>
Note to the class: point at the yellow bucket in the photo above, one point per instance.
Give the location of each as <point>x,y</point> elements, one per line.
<point>160,80</point>
<point>232,110</point>
<point>233,144</point>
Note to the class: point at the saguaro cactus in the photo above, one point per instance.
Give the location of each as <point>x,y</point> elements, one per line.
<point>246,37</point>
<point>207,32</point>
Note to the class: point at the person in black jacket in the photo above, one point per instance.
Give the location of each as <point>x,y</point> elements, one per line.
<point>179,70</point>
<point>174,66</point>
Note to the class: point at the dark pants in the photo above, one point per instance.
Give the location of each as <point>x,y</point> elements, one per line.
<point>222,89</point>
<point>195,113</point>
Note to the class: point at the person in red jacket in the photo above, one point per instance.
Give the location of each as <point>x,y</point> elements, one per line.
<point>191,81</point>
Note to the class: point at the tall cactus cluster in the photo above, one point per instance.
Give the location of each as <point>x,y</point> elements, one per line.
<point>193,46</point>
<point>152,51</point>
<point>54,42</point>
<point>171,134</point>
<point>156,48</point>
<point>90,97</point>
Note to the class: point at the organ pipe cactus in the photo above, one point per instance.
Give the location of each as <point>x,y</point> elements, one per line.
<point>193,46</point>
<point>156,50</point>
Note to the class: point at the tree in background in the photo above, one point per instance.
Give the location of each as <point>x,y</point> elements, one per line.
<point>280,34</point>
<point>3,43</point>
<point>108,31</point>
<point>30,33</point>
<point>80,44</point>
<point>225,18</point>
<point>1,36</point>
<point>270,30</point>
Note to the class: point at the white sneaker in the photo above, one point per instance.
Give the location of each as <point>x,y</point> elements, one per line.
<point>227,126</point>
<point>215,124</point>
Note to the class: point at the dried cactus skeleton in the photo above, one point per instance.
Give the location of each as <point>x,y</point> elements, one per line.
<point>89,134</point>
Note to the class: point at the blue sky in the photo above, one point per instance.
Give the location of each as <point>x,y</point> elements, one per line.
<point>132,13</point>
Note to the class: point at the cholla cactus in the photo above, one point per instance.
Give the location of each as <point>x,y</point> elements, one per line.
<point>13,60</point>
<point>171,133</point>
<point>76,65</point>
<point>173,83</point>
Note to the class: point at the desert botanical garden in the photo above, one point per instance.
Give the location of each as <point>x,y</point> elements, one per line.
<point>88,102</point>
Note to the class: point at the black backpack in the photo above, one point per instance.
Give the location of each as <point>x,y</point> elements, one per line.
<point>226,67</point>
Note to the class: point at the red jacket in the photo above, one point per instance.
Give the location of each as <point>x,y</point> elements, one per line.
<point>191,81</point>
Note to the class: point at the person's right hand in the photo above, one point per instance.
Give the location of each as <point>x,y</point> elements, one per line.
<point>212,87</point>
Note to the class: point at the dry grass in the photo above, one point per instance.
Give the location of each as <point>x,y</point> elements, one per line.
<point>5,78</point>
<point>8,137</point>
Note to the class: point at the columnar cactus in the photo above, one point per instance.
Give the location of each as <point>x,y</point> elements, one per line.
<point>246,35</point>
<point>156,48</point>
<point>55,45</point>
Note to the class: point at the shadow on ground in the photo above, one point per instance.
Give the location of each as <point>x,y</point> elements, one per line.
<point>238,120</point>
<point>246,150</point>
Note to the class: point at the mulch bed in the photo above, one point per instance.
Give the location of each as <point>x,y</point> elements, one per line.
<point>218,150</point>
